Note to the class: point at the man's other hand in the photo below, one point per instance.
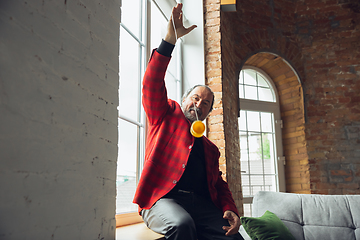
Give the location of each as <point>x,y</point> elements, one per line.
<point>234,222</point>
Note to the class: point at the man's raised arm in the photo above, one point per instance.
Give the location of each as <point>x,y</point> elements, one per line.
<point>176,21</point>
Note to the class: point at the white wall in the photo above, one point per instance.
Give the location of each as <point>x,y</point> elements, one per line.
<point>193,65</point>
<point>58,118</point>
<point>193,50</point>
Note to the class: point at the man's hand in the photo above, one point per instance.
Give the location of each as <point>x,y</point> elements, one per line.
<point>177,20</point>
<point>234,222</point>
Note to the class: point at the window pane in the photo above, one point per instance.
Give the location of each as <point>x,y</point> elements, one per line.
<point>245,185</point>
<point>269,153</point>
<point>158,26</point>
<point>257,183</point>
<point>126,170</point>
<point>253,121</point>
<point>256,166</point>
<point>246,190</point>
<point>170,83</point>
<point>241,77</point>
<point>171,73</point>
<point>250,77</point>
<point>251,93</point>
<point>262,82</point>
<point>244,165</point>
<point>243,141</point>
<point>270,183</point>
<point>254,86</point>
<point>244,153</point>
<point>269,167</point>
<point>242,120</point>
<point>130,16</point>
<point>127,154</point>
<point>158,32</point>
<point>254,147</point>
<point>245,179</point>
<point>265,94</point>
<point>268,145</point>
<point>129,76</point>
<point>241,91</point>
<point>247,210</point>
<point>266,122</point>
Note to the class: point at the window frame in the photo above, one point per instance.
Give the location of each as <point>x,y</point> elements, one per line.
<point>141,39</point>
<point>185,64</point>
<point>271,107</point>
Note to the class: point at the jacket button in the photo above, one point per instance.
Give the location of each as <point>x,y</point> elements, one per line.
<point>183,166</point>
<point>190,147</point>
<point>174,182</point>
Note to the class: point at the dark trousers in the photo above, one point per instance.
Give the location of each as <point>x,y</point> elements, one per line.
<point>187,216</point>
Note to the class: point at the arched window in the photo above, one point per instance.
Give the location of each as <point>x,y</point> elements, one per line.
<point>262,161</point>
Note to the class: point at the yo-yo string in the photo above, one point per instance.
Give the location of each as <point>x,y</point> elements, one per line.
<point>174,28</point>
<point>195,112</point>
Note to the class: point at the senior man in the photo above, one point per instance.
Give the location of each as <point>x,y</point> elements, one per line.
<point>181,193</point>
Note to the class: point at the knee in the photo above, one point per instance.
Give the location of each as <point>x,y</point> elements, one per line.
<point>183,226</point>
<point>186,225</point>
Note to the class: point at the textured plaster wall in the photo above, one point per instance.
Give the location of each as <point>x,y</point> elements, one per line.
<point>58,119</point>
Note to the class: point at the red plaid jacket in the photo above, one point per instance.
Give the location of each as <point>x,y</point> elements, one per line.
<point>169,143</point>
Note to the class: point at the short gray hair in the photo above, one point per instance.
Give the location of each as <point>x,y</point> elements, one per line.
<point>199,85</point>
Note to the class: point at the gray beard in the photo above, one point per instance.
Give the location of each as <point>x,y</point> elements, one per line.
<point>192,117</point>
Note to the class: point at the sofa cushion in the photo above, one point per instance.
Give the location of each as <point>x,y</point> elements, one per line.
<point>268,226</point>
<point>312,216</point>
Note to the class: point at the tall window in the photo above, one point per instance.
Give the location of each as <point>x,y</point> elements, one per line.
<point>260,136</point>
<point>131,120</point>
<point>139,18</point>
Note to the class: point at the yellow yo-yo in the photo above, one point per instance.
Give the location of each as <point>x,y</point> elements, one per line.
<point>197,129</point>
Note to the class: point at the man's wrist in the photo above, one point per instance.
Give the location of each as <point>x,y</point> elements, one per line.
<point>170,39</point>
<point>165,48</point>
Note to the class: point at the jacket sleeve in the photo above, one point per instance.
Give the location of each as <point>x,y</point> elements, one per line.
<point>219,189</point>
<point>225,197</point>
<point>154,96</point>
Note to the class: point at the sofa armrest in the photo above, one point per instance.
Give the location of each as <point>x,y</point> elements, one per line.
<point>243,233</point>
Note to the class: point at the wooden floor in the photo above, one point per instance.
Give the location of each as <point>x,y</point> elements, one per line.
<point>136,232</point>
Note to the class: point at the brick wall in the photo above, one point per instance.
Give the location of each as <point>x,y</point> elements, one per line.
<point>219,122</point>
<point>311,50</point>
<point>329,34</point>
<point>58,119</point>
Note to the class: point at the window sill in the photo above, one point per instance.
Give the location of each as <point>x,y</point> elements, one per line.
<point>137,231</point>
<point>127,219</point>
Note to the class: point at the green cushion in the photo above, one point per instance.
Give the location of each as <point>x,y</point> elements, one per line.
<point>268,226</point>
